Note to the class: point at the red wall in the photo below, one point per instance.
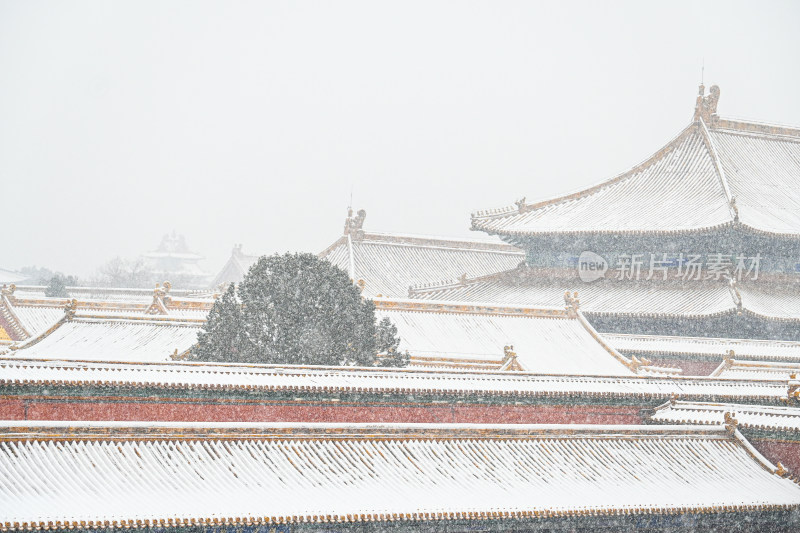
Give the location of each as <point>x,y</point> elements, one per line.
<point>166,409</point>
<point>788,453</point>
<point>689,367</point>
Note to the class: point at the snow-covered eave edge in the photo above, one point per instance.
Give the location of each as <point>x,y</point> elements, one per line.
<point>462,307</point>
<point>426,241</point>
<point>725,345</point>
<point>180,430</point>
<point>519,236</point>
<point>682,412</point>
<point>493,214</point>
<point>707,388</point>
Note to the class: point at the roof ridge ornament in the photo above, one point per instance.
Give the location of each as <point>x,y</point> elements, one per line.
<point>573,303</point>
<point>706,106</point>
<point>731,422</point>
<point>510,361</point>
<point>727,359</point>
<point>353,225</point>
<point>160,300</point>
<point>70,308</point>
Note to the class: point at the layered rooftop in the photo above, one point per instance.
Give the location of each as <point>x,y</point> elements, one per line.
<point>388,264</point>
<point>355,383</point>
<point>758,417</point>
<point>26,313</point>
<point>543,340</point>
<point>609,296</point>
<point>170,475</point>
<point>716,173</point>
<point>112,337</point>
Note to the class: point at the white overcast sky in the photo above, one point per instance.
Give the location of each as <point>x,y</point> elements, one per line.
<point>252,122</point>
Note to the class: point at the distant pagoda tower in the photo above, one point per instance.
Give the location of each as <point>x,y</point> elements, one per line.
<point>174,261</point>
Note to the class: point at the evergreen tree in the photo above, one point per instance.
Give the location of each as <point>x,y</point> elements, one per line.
<point>296,309</point>
<point>387,343</point>
<point>220,337</point>
<point>57,287</point>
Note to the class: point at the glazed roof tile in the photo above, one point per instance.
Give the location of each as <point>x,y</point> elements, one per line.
<point>390,264</point>
<point>548,341</point>
<point>112,338</point>
<point>172,474</point>
<point>756,370</point>
<point>765,417</point>
<point>711,175</point>
<point>705,347</point>
<point>343,380</point>
<point>657,298</point>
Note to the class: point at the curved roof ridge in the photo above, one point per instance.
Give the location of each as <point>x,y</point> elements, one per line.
<point>436,241</point>
<point>753,126</point>
<point>714,153</point>
<point>456,307</point>
<point>522,207</point>
<point>10,318</point>
<point>464,281</point>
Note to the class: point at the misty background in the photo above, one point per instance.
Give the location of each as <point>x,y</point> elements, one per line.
<point>253,122</point>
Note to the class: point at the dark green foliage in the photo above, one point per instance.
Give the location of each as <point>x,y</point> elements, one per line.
<point>221,336</point>
<point>57,286</point>
<point>296,309</point>
<point>387,343</point>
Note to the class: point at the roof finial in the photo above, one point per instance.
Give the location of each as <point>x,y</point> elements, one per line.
<point>706,106</point>
<point>353,224</point>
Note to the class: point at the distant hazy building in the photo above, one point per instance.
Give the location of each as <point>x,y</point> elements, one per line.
<point>174,261</point>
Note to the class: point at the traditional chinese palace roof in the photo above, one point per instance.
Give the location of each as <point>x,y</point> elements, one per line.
<point>26,313</point>
<point>760,417</point>
<point>704,347</point>
<point>443,383</point>
<point>547,341</point>
<point>716,173</point>
<point>80,474</point>
<point>388,264</point>
<point>755,370</point>
<point>112,337</point>
<point>655,297</point>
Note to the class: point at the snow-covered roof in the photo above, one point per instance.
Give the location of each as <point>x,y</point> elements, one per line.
<point>705,347</point>
<point>390,264</point>
<point>114,337</point>
<point>512,385</point>
<point>168,475</point>
<point>765,417</point>
<point>25,312</point>
<point>715,173</point>
<point>656,298</point>
<point>109,294</point>
<point>10,276</point>
<point>547,341</point>
<point>756,370</point>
